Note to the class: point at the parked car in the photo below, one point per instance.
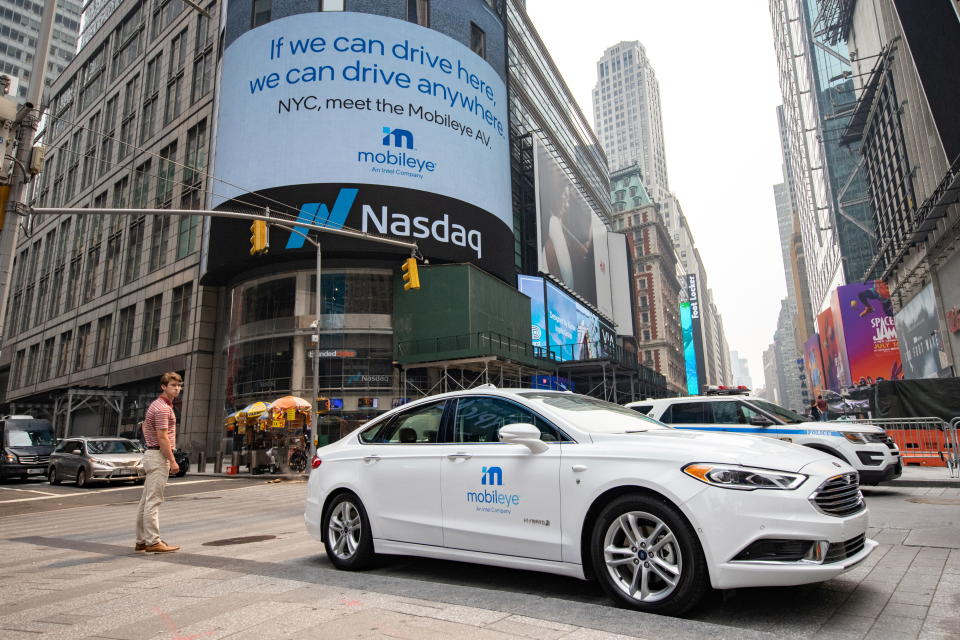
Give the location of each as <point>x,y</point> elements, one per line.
<point>27,443</point>
<point>90,459</point>
<point>867,448</point>
<point>572,485</point>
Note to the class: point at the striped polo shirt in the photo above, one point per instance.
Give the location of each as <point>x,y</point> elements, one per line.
<point>160,416</point>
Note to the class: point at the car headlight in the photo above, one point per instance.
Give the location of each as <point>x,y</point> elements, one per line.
<point>11,457</point>
<point>731,476</point>
<point>102,463</point>
<point>855,437</point>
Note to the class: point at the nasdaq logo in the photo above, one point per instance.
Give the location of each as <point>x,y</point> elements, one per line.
<point>317,213</point>
<point>399,138</point>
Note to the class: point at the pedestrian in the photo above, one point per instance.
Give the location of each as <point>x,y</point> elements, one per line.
<point>814,411</point>
<point>822,407</point>
<point>160,434</point>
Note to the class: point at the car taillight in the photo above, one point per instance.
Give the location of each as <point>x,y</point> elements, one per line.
<point>315,462</point>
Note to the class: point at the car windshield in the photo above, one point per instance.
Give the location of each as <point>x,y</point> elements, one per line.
<point>111,446</point>
<point>591,414</point>
<point>783,414</point>
<point>29,433</point>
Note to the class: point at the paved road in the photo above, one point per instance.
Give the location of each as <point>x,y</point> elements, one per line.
<point>71,573</point>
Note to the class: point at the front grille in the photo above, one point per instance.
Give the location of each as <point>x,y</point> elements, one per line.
<point>842,550</point>
<point>839,496</point>
<point>775,550</point>
<point>881,437</point>
<point>33,459</point>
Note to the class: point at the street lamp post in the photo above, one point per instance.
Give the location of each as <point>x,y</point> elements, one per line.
<point>314,424</point>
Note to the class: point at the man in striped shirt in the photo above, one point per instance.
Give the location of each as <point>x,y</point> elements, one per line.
<point>160,434</point>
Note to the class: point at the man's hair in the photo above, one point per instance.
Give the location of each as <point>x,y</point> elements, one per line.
<point>170,376</point>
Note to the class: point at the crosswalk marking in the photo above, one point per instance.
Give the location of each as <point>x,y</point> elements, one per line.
<point>51,496</point>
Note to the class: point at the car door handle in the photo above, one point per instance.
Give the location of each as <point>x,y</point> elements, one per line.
<point>577,468</point>
<point>371,458</point>
<point>459,454</point>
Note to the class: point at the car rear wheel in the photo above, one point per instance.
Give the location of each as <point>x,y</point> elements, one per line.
<point>348,539</point>
<point>647,556</point>
<point>53,476</point>
<point>81,478</point>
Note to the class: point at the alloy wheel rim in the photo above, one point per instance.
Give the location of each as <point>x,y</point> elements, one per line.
<point>344,530</point>
<point>642,556</point>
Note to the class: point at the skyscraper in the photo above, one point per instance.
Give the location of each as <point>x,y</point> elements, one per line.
<point>19,28</point>
<point>626,115</point>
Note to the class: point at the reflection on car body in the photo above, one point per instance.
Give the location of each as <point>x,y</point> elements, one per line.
<point>572,485</point>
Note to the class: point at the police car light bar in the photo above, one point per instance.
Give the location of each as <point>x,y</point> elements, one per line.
<point>720,390</point>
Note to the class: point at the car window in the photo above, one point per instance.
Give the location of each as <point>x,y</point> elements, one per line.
<point>28,433</point>
<point>64,446</point>
<point>642,408</point>
<point>111,446</point>
<point>480,420</point>
<point>688,413</point>
<point>727,412</point>
<point>420,424</point>
<point>748,413</point>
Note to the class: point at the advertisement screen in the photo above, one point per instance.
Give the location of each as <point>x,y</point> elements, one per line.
<point>572,248</point>
<point>813,364</point>
<point>533,288</point>
<point>693,298</point>
<point>869,332</point>
<point>918,332</point>
<point>689,350</point>
<point>352,120</point>
<point>572,329</point>
<point>620,283</point>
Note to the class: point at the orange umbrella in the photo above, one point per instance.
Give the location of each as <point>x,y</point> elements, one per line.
<point>289,402</point>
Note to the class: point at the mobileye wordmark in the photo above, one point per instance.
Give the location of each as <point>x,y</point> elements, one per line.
<point>385,222</point>
<point>493,476</point>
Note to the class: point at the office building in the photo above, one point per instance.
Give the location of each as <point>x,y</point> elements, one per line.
<point>19,29</point>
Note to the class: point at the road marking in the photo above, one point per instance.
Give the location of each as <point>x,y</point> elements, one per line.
<point>91,493</point>
<point>46,493</point>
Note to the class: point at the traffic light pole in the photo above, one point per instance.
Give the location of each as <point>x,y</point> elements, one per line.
<point>315,423</point>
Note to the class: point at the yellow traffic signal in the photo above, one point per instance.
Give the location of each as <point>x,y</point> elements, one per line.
<point>323,405</point>
<point>259,238</point>
<point>411,278</point>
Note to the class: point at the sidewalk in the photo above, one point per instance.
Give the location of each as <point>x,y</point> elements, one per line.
<point>913,476</point>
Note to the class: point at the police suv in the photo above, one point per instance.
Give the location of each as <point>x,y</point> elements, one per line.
<point>867,448</point>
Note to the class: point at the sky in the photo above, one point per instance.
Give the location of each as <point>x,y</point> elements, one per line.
<point>717,71</point>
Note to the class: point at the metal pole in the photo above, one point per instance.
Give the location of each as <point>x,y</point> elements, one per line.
<point>314,431</point>
<point>28,120</point>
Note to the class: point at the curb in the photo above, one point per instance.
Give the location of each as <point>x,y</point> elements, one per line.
<point>947,483</point>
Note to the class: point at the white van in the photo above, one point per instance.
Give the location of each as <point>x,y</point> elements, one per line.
<point>867,448</point>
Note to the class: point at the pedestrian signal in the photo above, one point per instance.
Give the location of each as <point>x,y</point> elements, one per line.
<point>411,277</point>
<point>323,405</point>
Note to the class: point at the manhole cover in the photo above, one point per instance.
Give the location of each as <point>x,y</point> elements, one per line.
<point>946,501</point>
<point>244,540</point>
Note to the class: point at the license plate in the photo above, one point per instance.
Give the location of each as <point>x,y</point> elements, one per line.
<point>123,472</point>
<point>31,471</point>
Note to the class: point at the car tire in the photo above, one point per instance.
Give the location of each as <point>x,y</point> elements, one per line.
<point>348,539</point>
<point>669,580</point>
<point>53,476</point>
<point>81,478</point>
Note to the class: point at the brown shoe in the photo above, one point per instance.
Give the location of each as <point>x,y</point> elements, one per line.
<point>140,546</point>
<point>160,547</point>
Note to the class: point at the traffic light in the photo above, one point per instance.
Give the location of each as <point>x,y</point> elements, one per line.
<point>411,278</point>
<point>323,405</point>
<point>259,238</point>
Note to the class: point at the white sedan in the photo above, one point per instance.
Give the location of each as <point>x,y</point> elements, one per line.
<point>568,484</point>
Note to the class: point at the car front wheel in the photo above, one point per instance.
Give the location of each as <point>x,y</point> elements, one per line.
<point>647,556</point>
<point>348,539</point>
<point>81,478</point>
<point>53,476</point>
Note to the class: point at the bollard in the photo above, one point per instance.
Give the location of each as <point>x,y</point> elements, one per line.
<point>218,463</point>
<point>202,462</point>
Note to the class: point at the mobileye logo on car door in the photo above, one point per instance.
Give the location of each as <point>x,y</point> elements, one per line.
<point>494,501</point>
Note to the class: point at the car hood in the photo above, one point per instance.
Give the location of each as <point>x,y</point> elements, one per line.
<point>31,451</point>
<point>704,446</point>
<point>118,457</point>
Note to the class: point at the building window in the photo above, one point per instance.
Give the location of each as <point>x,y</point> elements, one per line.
<point>151,96</point>
<point>260,13</point>
<point>180,313</point>
<point>175,77</point>
<point>90,275</point>
<point>109,128</point>
<point>151,323</point>
<point>478,40</point>
<point>164,12</point>
<point>102,348</point>
<point>33,357</point>
<point>141,185</point>
<point>66,343</point>
<point>158,242</point>
<point>80,354</point>
<point>187,235</point>
<point>418,11</point>
<point>112,262</point>
<point>125,331</point>
<point>165,175</point>
<point>128,122</point>
<point>131,267</point>
<point>16,374</point>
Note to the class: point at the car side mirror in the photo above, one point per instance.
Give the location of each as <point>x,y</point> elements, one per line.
<point>523,433</point>
<point>761,421</point>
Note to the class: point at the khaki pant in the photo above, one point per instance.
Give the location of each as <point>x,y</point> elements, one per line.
<point>148,512</point>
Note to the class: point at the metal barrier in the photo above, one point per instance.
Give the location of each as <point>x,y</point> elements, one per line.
<point>927,441</point>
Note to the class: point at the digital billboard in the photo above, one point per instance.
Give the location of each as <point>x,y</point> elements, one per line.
<point>830,349</point>
<point>918,332</point>
<point>813,364</point>
<point>561,325</point>
<point>693,298</point>
<point>689,349</point>
<point>353,120</point>
<point>573,239</point>
<point>869,333</point>
<point>532,287</point>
